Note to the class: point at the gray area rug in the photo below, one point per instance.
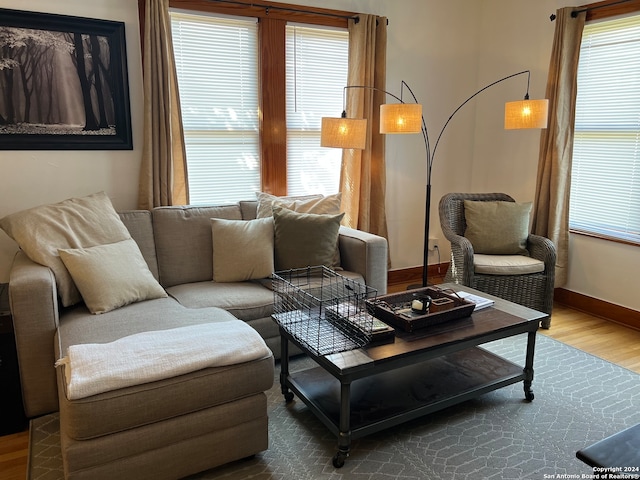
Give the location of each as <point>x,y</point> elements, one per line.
<point>579,399</point>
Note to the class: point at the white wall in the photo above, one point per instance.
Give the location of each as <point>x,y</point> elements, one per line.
<point>518,33</point>
<point>445,50</point>
<point>33,177</point>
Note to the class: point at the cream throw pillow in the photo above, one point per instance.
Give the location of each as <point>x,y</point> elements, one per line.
<point>304,204</point>
<point>496,227</point>
<point>74,223</point>
<point>242,249</point>
<point>111,276</point>
<point>304,239</point>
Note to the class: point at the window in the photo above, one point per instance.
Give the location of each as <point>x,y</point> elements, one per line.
<point>317,60</point>
<point>219,103</point>
<point>605,185</point>
<point>242,79</point>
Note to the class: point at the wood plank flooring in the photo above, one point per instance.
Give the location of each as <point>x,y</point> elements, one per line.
<point>602,338</point>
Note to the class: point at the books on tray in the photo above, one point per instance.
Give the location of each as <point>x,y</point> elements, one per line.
<point>481,302</point>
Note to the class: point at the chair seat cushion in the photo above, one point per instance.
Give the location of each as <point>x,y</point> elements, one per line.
<point>506,264</point>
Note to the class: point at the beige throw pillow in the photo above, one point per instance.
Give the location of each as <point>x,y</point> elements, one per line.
<point>242,249</point>
<point>304,239</point>
<point>111,276</point>
<point>303,204</point>
<point>496,227</point>
<point>74,223</point>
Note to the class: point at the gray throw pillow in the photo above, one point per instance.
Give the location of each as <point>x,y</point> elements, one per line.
<point>304,239</point>
<point>496,227</point>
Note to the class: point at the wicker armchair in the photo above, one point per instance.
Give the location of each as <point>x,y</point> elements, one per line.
<point>533,290</point>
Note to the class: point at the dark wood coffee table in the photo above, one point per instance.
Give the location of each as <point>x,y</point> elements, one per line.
<point>363,391</point>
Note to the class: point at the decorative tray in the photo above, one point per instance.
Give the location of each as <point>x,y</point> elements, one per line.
<point>395,309</point>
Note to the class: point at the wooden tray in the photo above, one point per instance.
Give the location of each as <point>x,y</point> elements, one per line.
<point>386,308</point>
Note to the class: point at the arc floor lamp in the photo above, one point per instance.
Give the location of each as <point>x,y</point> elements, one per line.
<point>406,117</point>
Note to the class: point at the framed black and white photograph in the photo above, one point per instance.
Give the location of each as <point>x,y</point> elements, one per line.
<point>63,83</point>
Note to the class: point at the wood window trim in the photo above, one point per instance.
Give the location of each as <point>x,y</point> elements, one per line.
<point>600,11</point>
<point>609,8</point>
<point>273,18</point>
<point>272,10</point>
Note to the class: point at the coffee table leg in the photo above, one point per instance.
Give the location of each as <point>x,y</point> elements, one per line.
<point>344,435</point>
<point>284,368</point>
<point>528,366</point>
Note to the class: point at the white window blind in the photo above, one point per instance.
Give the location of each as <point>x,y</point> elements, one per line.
<point>216,62</point>
<point>605,181</point>
<point>317,61</point>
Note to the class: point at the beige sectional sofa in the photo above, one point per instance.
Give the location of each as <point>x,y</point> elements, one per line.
<point>176,426</point>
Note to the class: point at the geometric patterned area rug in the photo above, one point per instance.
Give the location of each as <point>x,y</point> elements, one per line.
<point>579,399</point>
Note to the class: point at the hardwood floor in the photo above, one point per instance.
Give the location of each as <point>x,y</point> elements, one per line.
<point>13,456</point>
<point>602,338</point>
<point>605,339</point>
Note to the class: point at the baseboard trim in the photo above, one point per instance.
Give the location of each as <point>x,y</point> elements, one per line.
<point>435,274</point>
<point>599,308</point>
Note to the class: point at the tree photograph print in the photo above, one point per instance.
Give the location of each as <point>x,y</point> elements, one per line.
<point>63,83</point>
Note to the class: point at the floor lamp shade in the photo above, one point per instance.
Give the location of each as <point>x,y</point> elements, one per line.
<point>343,133</point>
<point>526,114</point>
<point>401,118</point>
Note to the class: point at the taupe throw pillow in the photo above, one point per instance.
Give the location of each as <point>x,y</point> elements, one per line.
<point>111,276</point>
<point>242,249</point>
<point>304,239</point>
<point>496,227</point>
<point>73,223</point>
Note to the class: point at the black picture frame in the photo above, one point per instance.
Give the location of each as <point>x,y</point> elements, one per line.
<point>51,101</point>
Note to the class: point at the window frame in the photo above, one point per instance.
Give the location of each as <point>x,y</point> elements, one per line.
<point>606,10</point>
<point>272,20</point>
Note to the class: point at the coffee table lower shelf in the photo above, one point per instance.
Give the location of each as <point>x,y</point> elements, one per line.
<point>386,399</point>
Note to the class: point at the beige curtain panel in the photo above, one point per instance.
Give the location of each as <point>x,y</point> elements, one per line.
<point>163,172</point>
<point>363,172</point>
<point>551,206</point>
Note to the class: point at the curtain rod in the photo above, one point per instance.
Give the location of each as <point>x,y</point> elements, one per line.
<point>287,9</point>
<point>575,13</point>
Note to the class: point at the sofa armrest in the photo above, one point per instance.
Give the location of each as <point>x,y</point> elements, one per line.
<point>33,298</point>
<point>366,254</point>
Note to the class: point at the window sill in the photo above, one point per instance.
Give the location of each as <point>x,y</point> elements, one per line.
<point>601,236</point>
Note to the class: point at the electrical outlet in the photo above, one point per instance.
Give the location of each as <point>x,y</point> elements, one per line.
<point>433,243</point>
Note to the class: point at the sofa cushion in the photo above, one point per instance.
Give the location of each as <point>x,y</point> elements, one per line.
<point>111,276</point>
<point>73,223</point>
<point>115,411</point>
<point>245,300</point>
<point>242,249</point>
<point>304,239</point>
<point>140,226</point>
<point>183,241</point>
<point>94,368</point>
<point>497,228</point>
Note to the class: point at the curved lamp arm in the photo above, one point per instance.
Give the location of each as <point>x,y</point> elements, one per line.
<point>528,72</point>
<point>429,152</point>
